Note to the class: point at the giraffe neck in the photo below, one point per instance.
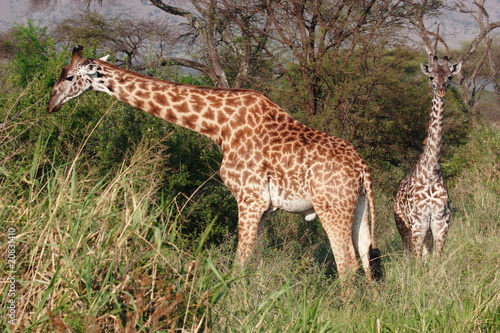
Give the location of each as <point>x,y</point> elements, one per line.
<point>429,160</point>
<point>184,105</point>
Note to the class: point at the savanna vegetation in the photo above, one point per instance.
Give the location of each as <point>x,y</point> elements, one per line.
<point>120,223</point>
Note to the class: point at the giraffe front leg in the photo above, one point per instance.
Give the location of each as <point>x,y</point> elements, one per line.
<point>404,232</point>
<point>250,228</point>
<point>249,190</point>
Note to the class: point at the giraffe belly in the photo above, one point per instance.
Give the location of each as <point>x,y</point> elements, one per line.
<point>291,201</point>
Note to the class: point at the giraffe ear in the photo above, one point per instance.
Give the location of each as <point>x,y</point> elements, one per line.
<point>105,58</point>
<point>425,69</point>
<point>455,69</point>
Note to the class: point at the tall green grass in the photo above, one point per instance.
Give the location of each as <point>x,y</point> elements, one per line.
<point>101,253</point>
<point>105,253</point>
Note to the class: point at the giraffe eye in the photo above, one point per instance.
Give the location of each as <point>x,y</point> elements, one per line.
<point>431,78</point>
<point>69,78</point>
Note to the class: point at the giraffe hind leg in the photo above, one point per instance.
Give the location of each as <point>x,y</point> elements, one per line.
<point>405,233</point>
<point>428,245</point>
<point>439,232</point>
<point>337,222</point>
<point>419,232</point>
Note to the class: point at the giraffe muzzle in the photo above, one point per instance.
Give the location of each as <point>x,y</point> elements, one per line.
<point>53,107</point>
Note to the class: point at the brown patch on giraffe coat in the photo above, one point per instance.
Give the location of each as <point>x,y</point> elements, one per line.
<point>131,87</point>
<point>183,108</point>
<point>138,103</point>
<point>160,99</point>
<point>238,118</point>
<point>197,108</point>
<point>214,101</point>
<point>251,119</point>
<point>222,118</point>
<point>174,96</point>
<point>143,85</point>
<point>122,79</point>
<point>249,145</point>
<point>209,129</point>
<point>111,86</point>
<point>270,125</point>
<point>233,102</point>
<point>198,100</point>
<point>143,94</point>
<point>225,132</point>
<point>209,114</point>
<point>240,135</point>
<point>242,151</point>
<point>287,148</point>
<point>157,87</point>
<point>249,99</point>
<point>228,111</point>
<point>124,96</point>
<point>171,116</point>
<point>154,108</point>
<point>190,120</point>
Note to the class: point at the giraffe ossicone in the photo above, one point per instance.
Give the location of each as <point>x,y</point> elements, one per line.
<point>422,212</point>
<point>270,160</point>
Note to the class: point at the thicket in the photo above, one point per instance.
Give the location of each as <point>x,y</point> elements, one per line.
<point>123,224</point>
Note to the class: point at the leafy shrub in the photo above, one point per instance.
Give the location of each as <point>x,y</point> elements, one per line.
<point>33,47</point>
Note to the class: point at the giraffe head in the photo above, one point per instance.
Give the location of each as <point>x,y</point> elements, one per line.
<point>76,78</point>
<point>440,74</point>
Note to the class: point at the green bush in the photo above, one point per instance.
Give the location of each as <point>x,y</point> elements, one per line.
<point>33,48</point>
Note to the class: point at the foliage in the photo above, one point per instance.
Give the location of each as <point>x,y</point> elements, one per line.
<point>102,254</point>
<point>195,182</point>
<point>383,108</point>
<point>32,51</point>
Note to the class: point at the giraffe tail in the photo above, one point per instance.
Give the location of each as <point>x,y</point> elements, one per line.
<point>374,254</point>
<point>376,267</point>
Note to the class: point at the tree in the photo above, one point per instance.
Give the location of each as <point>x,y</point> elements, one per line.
<point>221,28</point>
<point>214,34</point>
<point>205,26</point>
<point>320,31</point>
<point>469,77</point>
<point>134,38</point>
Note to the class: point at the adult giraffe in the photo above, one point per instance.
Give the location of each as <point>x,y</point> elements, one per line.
<point>270,160</point>
<point>422,210</point>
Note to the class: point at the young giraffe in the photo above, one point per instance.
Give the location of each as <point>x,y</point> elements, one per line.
<point>270,160</point>
<point>422,211</point>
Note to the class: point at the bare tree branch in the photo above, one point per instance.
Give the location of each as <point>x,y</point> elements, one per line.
<point>470,89</point>
<point>191,64</point>
<point>467,82</point>
<point>473,45</point>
